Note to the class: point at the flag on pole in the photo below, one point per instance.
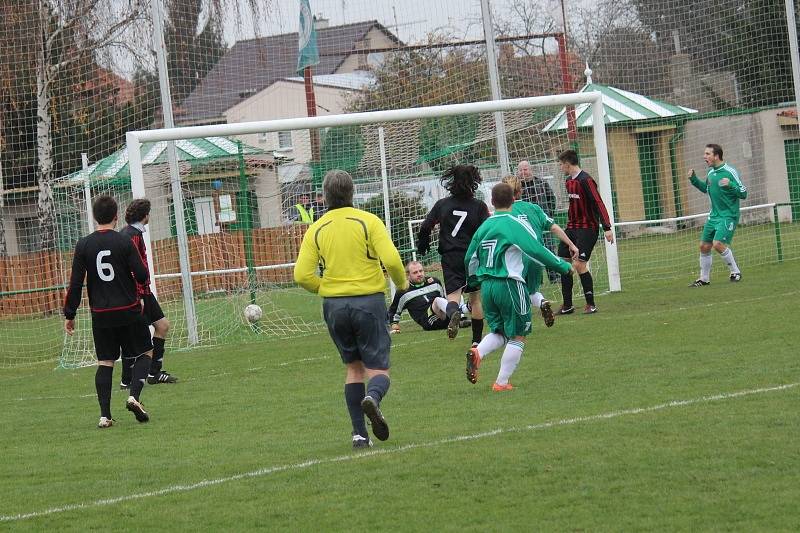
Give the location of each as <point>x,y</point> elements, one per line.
<point>309,53</point>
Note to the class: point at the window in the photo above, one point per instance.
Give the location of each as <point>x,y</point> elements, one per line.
<point>284,140</point>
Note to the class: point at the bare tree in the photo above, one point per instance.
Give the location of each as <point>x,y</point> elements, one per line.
<point>66,31</point>
<point>527,17</point>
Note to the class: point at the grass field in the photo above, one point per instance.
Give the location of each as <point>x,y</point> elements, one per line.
<point>671,409</point>
<point>290,312</point>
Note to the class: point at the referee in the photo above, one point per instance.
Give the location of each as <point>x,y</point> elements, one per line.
<point>340,258</point>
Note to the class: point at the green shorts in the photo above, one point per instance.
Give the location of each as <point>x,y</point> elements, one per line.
<point>719,229</point>
<point>506,307</point>
<point>533,278</point>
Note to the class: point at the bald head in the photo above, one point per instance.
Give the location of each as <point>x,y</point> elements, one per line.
<point>415,272</point>
<point>524,170</point>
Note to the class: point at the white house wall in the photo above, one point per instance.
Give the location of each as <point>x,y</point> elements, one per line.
<point>375,39</point>
<point>286,99</point>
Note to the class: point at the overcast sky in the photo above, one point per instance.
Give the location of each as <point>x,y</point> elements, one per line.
<point>413,18</point>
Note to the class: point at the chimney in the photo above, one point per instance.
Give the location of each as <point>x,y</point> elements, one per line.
<point>320,22</point>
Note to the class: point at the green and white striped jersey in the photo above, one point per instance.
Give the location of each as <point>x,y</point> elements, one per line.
<point>724,200</point>
<point>502,246</point>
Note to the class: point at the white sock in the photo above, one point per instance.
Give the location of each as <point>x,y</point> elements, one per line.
<point>536,300</point>
<point>464,308</point>
<point>439,304</point>
<point>727,256</point>
<point>510,360</point>
<point>490,343</point>
<point>705,266</point>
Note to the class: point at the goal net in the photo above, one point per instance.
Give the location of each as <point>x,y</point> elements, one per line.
<point>243,232</point>
<point>76,76</point>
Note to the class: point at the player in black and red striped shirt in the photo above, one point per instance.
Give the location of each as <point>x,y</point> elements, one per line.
<point>585,216</point>
<point>138,216</point>
<point>109,263</point>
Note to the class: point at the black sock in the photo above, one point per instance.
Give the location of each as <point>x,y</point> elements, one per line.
<point>158,356</point>
<point>451,308</point>
<point>353,394</point>
<point>127,369</point>
<point>140,369</point>
<point>477,329</point>
<point>378,386</point>
<point>588,287</point>
<point>566,290</point>
<point>102,383</point>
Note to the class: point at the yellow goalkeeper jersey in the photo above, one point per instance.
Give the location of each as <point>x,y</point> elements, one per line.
<point>342,253</point>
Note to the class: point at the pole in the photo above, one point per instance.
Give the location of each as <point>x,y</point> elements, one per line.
<point>311,111</point>
<point>246,224</point>
<point>604,184</point>
<point>175,178</point>
<point>87,193</point>
<point>385,182</point>
<point>792,27</point>
<point>777,226</point>
<point>566,86</point>
<point>494,84</point>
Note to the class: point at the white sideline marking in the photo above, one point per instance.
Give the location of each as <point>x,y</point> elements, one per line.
<point>172,489</point>
<point>307,359</point>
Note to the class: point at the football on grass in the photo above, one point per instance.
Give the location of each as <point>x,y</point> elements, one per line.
<point>253,313</point>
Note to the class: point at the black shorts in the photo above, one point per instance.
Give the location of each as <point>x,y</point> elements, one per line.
<point>455,273</point>
<point>152,309</point>
<point>133,338</point>
<point>584,239</point>
<point>357,326</point>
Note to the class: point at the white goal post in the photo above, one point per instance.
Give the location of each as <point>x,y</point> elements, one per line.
<point>135,139</point>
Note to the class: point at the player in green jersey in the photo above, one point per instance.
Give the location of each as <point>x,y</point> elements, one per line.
<point>725,189</point>
<point>534,215</point>
<point>496,259</point>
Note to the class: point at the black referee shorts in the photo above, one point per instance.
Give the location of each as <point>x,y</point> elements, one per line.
<point>455,273</point>
<point>131,339</point>
<point>357,326</point>
<point>584,239</point>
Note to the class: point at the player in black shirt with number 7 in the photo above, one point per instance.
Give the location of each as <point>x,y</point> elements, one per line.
<point>459,216</point>
<point>108,261</point>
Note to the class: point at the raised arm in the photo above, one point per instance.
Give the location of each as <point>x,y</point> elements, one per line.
<point>701,185</point>
<point>734,186</point>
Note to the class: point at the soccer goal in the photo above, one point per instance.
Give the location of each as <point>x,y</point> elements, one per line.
<point>225,234</point>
